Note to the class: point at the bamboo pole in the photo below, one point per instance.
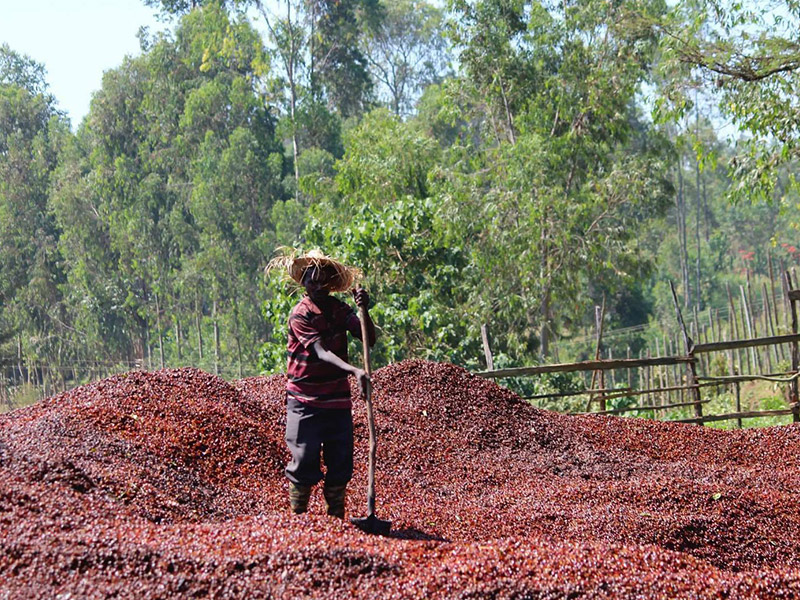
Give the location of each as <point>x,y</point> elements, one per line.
<point>655,408</point>
<point>678,375</point>
<point>769,329</point>
<point>711,327</point>
<point>737,386</point>
<point>692,371</point>
<point>774,308</point>
<point>748,328</point>
<point>660,373</point>
<point>643,372</point>
<point>734,328</point>
<point>772,288</point>
<point>698,335</point>
<point>667,373</point>
<point>720,337</point>
<point>787,307</point>
<point>622,392</point>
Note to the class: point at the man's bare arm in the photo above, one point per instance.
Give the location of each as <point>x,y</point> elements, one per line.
<point>329,357</point>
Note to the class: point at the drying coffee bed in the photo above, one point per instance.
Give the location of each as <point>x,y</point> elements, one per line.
<point>170,484</point>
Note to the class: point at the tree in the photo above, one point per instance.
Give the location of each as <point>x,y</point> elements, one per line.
<point>171,198</point>
<point>747,57</point>
<point>382,216</point>
<point>338,66</point>
<point>563,172</point>
<point>31,135</point>
<point>407,51</point>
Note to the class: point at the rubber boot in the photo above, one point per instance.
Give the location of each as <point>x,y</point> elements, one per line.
<point>335,498</point>
<point>298,497</point>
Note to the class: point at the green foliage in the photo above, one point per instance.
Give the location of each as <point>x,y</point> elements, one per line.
<point>31,136</point>
<point>564,168</point>
<point>406,51</point>
<point>167,205</point>
<point>391,231</point>
<point>526,188</point>
<point>746,57</point>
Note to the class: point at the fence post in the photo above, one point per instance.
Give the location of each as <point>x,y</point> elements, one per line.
<point>599,317</point>
<point>691,370</point>
<point>487,351</point>
<point>630,373</point>
<point>738,404</point>
<point>794,396</point>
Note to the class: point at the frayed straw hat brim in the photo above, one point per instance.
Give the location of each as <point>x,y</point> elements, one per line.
<point>294,266</point>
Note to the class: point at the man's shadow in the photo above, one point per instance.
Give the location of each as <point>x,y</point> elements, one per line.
<point>411,533</point>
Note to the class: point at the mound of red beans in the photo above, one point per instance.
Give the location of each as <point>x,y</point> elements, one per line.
<point>170,484</point>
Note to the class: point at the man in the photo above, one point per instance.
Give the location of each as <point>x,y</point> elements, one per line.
<point>319,421</point>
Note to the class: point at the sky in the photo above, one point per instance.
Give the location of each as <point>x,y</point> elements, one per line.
<point>76,41</point>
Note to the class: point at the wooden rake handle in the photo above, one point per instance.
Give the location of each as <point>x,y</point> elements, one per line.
<point>373,442</point>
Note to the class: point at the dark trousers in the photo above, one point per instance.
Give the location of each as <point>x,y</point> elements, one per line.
<point>313,432</point>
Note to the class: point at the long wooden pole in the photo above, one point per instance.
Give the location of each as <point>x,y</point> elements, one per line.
<point>373,438</point>
<point>655,407</point>
<point>738,387</point>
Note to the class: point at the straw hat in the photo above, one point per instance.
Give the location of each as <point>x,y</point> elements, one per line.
<point>294,264</point>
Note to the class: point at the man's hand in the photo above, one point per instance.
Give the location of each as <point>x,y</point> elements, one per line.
<point>363,380</point>
<point>361,297</point>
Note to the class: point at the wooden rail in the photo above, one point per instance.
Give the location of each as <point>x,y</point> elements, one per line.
<point>739,415</point>
<point>618,411</point>
<point>588,365</point>
<point>752,343</point>
<point>577,393</point>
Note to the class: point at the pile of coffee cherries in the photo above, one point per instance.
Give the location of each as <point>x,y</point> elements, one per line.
<point>170,484</point>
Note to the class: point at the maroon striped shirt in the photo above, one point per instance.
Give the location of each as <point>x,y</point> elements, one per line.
<point>310,379</point>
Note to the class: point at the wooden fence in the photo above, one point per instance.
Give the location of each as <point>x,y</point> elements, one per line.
<point>685,389</point>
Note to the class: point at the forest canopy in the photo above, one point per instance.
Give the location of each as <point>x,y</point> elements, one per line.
<point>507,163</point>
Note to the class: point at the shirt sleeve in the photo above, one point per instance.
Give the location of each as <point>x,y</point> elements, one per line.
<point>304,330</point>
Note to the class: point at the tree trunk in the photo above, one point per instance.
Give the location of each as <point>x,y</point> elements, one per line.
<point>698,295</point>
<point>544,346</point>
<point>160,332</point>
<point>216,339</point>
<point>684,252</point>
<point>198,327</point>
<point>178,336</point>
